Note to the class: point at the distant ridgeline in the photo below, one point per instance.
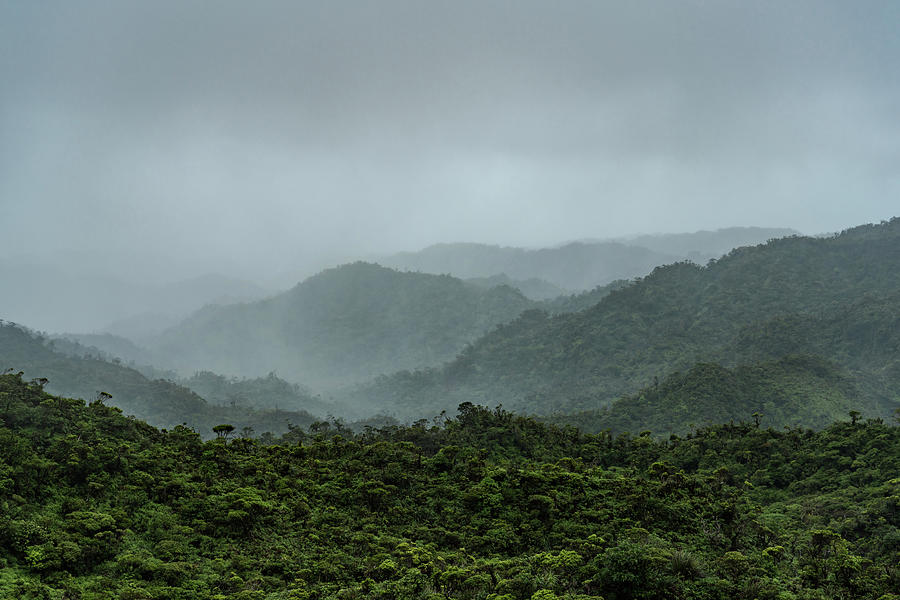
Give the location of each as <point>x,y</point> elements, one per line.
<point>581,265</point>
<point>800,322</point>
<point>486,505</point>
<point>351,324</point>
<point>81,372</point>
<point>574,266</point>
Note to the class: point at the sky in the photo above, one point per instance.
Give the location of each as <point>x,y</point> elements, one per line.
<point>269,139</point>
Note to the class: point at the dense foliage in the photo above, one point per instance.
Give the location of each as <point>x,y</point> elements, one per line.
<point>486,505</point>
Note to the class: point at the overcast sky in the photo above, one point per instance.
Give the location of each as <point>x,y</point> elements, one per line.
<point>173,137</point>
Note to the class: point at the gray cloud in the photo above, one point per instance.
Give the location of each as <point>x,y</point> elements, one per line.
<point>171,137</point>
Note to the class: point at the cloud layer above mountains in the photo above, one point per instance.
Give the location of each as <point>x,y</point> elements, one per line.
<point>158,137</point>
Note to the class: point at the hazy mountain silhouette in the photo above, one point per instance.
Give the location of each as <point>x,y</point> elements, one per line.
<point>581,265</point>
<point>343,325</point>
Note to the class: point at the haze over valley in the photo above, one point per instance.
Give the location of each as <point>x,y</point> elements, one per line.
<point>377,342</point>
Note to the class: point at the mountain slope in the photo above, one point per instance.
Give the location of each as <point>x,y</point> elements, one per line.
<point>343,325</point>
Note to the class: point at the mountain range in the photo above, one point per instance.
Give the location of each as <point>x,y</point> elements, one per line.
<point>798,331</point>
<point>834,298</point>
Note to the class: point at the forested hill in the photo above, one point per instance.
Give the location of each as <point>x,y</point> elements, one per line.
<point>835,297</point>
<point>484,505</point>
<point>343,325</point>
<point>162,403</point>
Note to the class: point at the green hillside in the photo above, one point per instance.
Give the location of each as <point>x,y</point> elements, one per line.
<point>486,505</point>
<point>740,309</point>
<point>343,325</point>
<point>162,403</point>
<point>794,391</point>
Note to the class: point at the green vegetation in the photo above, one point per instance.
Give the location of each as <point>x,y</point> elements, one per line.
<point>486,505</point>
<point>341,326</point>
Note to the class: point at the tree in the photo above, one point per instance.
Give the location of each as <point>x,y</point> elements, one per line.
<point>102,397</point>
<point>756,418</point>
<point>223,431</point>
